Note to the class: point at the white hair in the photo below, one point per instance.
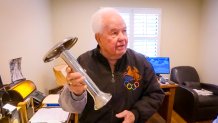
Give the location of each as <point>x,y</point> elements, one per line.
<point>97,23</point>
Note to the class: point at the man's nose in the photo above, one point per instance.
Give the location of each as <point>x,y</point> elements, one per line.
<point>122,36</point>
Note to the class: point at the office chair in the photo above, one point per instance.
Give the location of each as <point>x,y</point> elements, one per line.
<point>188,103</point>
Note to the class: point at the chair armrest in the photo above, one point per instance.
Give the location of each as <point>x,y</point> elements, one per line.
<point>210,87</point>
<point>187,95</point>
<point>186,101</point>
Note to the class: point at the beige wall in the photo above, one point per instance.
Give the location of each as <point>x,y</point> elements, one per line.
<point>180,25</point>
<point>31,27</point>
<point>208,56</point>
<point>25,31</point>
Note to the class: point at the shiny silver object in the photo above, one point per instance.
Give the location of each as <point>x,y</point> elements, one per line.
<point>62,49</point>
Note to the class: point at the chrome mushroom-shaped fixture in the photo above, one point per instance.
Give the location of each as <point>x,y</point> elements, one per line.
<point>62,49</point>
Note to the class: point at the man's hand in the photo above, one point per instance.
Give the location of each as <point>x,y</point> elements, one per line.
<point>127,115</point>
<point>75,81</point>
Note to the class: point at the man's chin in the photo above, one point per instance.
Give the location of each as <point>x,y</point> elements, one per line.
<point>120,54</point>
<point>123,51</point>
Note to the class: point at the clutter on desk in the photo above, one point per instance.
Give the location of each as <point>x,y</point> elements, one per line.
<point>15,70</point>
<point>20,99</point>
<point>18,95</point>
<point>51,100</point>
<point>10,114</point>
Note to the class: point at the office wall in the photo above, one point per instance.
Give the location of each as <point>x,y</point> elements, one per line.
<point>180,25</point>
<point>30,27</point>
<point>208,56</point>
<point>25,31</point>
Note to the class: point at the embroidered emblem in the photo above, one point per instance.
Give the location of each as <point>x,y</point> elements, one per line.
<point>131,78</point>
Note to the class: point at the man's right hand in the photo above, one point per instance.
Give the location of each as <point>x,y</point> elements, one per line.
<point>76,82</point>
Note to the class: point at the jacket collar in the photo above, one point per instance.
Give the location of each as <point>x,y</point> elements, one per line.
<point>121,63</point>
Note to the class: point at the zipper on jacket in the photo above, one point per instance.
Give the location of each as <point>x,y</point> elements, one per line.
<point>112,114</point>
<point>113,91</point>
<point>112,79</point>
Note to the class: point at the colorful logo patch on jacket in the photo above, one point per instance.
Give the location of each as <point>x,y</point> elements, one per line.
<point>132,78</point>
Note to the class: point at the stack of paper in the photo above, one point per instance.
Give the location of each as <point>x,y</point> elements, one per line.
<point>51,100</point>
<point>50,115</point>
<point>203,92</point>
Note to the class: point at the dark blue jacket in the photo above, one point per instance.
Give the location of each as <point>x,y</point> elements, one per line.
<point>133,86</point>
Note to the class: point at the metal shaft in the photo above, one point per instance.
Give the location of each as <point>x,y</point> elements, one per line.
<point>61,49</point>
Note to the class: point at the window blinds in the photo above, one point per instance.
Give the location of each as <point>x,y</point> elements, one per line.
<point>143,29</point>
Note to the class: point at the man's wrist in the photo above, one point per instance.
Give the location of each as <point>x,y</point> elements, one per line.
<point>136,114</point>
<point>78,97</point>
<point>78,94</point>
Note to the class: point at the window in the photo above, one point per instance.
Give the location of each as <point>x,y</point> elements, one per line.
<point>143,29</point>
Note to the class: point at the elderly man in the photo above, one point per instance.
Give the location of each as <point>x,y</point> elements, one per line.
<point>122,72</point>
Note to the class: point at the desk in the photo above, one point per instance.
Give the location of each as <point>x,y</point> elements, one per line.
<point>167,106</point>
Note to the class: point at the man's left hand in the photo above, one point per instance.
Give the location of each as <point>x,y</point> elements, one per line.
<point>127,115</point>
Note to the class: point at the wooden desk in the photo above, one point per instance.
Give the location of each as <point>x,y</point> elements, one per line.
<point>167,106</point>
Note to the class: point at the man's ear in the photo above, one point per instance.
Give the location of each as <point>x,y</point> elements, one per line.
<point>97,37</point>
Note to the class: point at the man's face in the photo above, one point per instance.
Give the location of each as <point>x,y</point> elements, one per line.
<point>113,39</point>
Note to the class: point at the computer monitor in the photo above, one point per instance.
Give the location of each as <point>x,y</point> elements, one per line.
<point>161,65</point>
